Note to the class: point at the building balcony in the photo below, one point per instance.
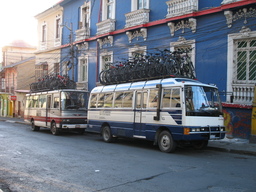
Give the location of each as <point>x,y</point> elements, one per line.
<point>181,7</point>
<point>228,1</point>
<point>82,86</point>
<point>106,26</point>
<point>83,33</point>
<point>137,17</point>
<point>243,93</point>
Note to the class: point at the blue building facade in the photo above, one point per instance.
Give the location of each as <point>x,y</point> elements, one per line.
<point>221,35</point>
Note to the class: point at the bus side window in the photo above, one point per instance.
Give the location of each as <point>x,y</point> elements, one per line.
<point>108,100</point>
<point>127,100</point>
<point>166,98</point>
<point>42,101</point>
<point>118,100</point>
<point>93,101</point>
<point>153,97</point>
<point>35,102</point>
<point>175,99</point>
<point>101,100</point>
<point>145,98</point>
<point>28,102</point>
<point>56,103</point>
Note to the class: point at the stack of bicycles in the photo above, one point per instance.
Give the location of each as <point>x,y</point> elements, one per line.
<point>52,82</point>
<point>163,64</point>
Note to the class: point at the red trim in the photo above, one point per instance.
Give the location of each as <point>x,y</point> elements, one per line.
<point>240,106</point>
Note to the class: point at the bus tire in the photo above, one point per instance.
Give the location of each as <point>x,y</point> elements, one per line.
<point>166,143</point>
<point>34,127</point>
<point>54,129</point>
<point>199,145</point>
<point>106,134</point>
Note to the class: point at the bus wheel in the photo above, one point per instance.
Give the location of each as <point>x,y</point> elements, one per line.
<point>202,144</point>
<point>33,127</point>
<point>54,129</point>
<point>166,143</point>
<point>106,134</point>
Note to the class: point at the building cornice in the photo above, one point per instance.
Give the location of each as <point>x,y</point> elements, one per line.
<point>167,20</point>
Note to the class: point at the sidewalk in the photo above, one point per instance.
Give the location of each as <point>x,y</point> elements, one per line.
<point>235,145</point>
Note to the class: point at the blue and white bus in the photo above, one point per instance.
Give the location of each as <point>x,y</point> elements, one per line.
<point>167,111</point>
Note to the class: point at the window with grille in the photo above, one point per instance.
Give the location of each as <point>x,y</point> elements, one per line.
<point>245,61</point>
<point>241,71</point>
<point>106,61</point>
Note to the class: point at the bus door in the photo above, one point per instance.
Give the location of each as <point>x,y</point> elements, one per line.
<point>139,114</point>
<point>48,108</point>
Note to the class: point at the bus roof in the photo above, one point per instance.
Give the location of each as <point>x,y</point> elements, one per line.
<point>148,84</point>
<point>55,91</point>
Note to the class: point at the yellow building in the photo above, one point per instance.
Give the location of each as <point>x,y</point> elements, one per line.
<point>49,41</point>
<point>18,77</point>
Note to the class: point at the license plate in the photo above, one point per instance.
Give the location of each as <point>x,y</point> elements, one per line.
<point>212,136</point>
<point>77,126</point>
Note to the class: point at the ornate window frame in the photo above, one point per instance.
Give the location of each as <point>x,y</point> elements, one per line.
<point>105,5</point>
<point>43,38</point>
<point>182,42</point>
<point>83,62</point>
<point>103,55</point>
<point>136,48</point>
<point>244,93</point>
<point>57,31</point>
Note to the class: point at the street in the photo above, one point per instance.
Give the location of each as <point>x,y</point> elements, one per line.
<point>38,162</point>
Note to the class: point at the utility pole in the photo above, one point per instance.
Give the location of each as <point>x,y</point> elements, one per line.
<point>72,52</point>
<point>71,48</point>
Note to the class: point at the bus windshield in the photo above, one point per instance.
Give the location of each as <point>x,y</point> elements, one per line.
<point>71,100</point>
<point>202,101</point>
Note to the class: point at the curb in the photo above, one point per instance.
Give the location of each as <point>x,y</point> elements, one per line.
<point>235,151</point>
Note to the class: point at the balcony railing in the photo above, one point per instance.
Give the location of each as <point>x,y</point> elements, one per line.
<point>229,1</point>
<point>181,7</point>
<point>243,93</point>
<point>82,33</point>
<point>106,26</point>
<point>137,17</point>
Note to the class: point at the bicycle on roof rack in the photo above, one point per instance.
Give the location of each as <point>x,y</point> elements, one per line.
<point>161,64</point>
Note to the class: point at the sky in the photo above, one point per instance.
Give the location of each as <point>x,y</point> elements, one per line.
<point>17,19</point>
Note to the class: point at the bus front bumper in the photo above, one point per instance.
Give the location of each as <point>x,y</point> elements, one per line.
<point>74,126</point>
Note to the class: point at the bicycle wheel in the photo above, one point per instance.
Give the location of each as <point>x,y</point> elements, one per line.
<point>101,77</point>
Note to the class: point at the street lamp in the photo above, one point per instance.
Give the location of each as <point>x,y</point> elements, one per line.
<point>71,47</point>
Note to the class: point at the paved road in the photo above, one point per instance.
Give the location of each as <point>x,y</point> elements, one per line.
<point>39,162</point>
